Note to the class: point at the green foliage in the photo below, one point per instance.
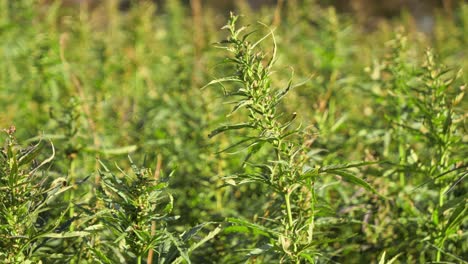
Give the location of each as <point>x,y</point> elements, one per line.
<point>426,137</point>
<point>132,203</point>
<point>362,161</point>
<point>32,217</point>
<point>289,181</point>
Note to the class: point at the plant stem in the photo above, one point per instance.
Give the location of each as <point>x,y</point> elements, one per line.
<point>403,160</point>
<point>72,192</point>
<point>288,208</point>
<point>157,173</point>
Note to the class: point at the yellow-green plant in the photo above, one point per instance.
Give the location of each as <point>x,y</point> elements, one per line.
<point>32,217</point>
<point>290,230</point>
<point>424,144</point>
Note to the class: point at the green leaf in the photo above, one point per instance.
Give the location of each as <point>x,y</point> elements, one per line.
<point>382,258</point>
<point>346,166</point>
<point>237,229</point>
<point>309,258</point>
<point>210,236</point>
<point>393,259</point>
<point>351,178</point>
<point>221,80</point>
<point>254,148</point>
<point>30,154</point>
<point>456,218</point>
<point>229,127</point>
<point>310,173</point>
<point>66,234</point>
<point>240,142</point>
<point>118,151</point>
<point>240,104</point>
<point>260,250</point>
<point>254,228</point>
<point>177,244</point>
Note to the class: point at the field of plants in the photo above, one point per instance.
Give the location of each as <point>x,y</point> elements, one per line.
<point>286,134</point>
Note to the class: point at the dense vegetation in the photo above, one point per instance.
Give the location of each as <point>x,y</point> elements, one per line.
<point>300,136</point>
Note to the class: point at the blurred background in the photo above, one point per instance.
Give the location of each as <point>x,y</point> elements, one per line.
<point>368,12</point>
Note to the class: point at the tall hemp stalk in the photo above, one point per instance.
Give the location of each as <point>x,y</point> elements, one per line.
<point>442,129</point>
<point>426,120</point>
<point>437,125</point>
<point>289,180</point>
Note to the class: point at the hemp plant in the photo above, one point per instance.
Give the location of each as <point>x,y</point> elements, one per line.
<point>444,135</point>
<point>131,203</point>
<point>427,128</point>
<point>289,224</point>
<point>438,125</point>
<point>136,208</point>
<point>33,221</point>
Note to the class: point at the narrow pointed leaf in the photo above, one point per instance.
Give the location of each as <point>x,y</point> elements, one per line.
<point>351,178</point>
<point>229,127</point>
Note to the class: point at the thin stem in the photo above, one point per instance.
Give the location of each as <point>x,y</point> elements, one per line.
<point>157,173</point>
<point>288,208</point>
<point>403,160</point>
<point>72,192</point>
